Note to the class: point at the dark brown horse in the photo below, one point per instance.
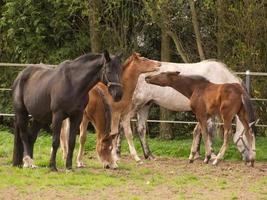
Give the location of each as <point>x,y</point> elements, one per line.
<point>208,99</point>
<point>51,95</point>
<point>96,113</point>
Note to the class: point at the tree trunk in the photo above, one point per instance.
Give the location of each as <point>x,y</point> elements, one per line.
<point>94,22</point>
<point>219,29</point>
<point>179,46</point>
<point>196,30</point>
<point>166,131</point>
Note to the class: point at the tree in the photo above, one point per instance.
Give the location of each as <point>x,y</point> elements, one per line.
<point>196,29</point>
<point>94,8</point>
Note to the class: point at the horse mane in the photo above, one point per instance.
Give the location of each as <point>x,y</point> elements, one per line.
<point>86,57</point>
<point>198,78</point>
<point>127,62</point>
<point>107,110</point>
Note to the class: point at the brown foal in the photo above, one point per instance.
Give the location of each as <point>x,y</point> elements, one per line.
<point>94,111</point>
<point>208,99</point>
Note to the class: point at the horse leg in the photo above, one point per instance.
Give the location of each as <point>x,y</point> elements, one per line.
<point>242,116</point>
<point>195,143</point>
<point>119,140</point>
<point>57,119</point>
<point>142,116</point>
<point>36,126</point>
<point>83,130</point>
<point>64,137</point>
<point>227,133</point>
<point>75,122</point>
<point>22,120</point>
<point>203,125</point>
<point>115,122</point>
<point>126,124</point>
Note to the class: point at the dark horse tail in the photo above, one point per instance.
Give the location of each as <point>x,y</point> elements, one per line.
<point>107,111</point>
<point>249,109</point>
<point>18,146</point>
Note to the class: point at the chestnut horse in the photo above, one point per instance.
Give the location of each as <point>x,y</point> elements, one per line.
<point>208,99</point>
<point>133,67</point>
<point>52,95</point>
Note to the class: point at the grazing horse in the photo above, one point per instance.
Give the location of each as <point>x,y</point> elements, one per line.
<point>145,94</point>
<point>94,112</point>
<point>99,113</point>
<point>208,99</point>
<point>52,95</point>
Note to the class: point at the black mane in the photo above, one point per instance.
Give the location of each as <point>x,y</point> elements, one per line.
<point>86,57</point>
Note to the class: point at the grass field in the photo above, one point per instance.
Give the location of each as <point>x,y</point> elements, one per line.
<point>169,177</point>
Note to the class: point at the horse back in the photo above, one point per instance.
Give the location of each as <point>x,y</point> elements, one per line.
<point>30,89</point>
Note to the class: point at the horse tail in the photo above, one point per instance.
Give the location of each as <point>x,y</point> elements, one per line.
<point>18,147</point>
<point>17,99</point>
<point>249,109</point>
<point>107,110</point>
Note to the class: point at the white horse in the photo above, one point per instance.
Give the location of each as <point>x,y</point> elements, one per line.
<point>170,99</point>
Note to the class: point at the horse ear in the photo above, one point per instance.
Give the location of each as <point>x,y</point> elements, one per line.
<point>106,55</point>
<point>136,55</point>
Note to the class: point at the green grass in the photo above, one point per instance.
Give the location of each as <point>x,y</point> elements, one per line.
<point>131,180</point>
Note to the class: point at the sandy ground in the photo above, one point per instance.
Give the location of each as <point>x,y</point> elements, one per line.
<point>165,178</point>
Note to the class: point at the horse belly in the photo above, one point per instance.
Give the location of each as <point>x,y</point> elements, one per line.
<point>38,106</point>
<point>172,100</point>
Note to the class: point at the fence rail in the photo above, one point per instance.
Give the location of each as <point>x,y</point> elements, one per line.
<point>247,74</point>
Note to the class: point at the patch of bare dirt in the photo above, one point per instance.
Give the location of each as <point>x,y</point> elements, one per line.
<point>173,179</point>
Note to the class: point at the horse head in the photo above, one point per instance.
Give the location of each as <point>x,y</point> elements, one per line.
<point>143,64</point>
<point>161,79</point>
<point>104,150</point>
<point>111,75</point>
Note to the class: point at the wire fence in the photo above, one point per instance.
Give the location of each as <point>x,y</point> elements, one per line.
<point>248,75</point>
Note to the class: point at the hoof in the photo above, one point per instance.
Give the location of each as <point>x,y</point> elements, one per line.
<point>207,159</point>
<point>69,171</point>
<point>213,156</point>
<point>215,162</point>
<point>140,162</point>
<point>28,163</point>
<point>250,164</point>
<point>53,169</point>
<point>80,165</point>
<point>191,160</point>
<point>150,157</point>
<point>137,159</point>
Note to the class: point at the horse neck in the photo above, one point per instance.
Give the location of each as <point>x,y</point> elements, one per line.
<point>186,85</point>
<point>129,80</point>
<point>83,76</point>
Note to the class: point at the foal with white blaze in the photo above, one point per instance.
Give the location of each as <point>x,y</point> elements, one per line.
<point>208,99</point>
